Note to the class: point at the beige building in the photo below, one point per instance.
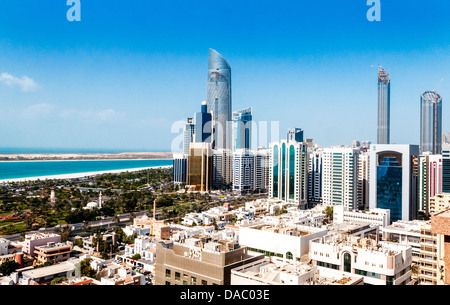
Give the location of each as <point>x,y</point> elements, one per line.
<point>439,202</point>
<point>52,252</point>
<point>440,225</point>
<point>199,261</point>
<point>157,228</point>
<point>429,271</point>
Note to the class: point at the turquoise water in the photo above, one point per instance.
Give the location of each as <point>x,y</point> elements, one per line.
<point>25,169</point>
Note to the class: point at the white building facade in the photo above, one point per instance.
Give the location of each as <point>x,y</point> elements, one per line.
<point>339,178</point>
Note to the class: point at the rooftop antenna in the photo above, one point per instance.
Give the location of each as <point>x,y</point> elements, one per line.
<point>435,122</point>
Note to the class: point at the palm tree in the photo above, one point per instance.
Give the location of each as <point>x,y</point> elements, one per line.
<point>86,225</point>
<point>116,219</point>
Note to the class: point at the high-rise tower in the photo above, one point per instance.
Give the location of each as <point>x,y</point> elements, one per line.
<point>431,122</point>
<point>203,125</point>
<point>219,98</point>
<point>384,104</point>
<point>242,129</point>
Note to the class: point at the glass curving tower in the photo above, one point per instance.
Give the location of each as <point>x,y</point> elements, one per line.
<point>431,122</point>
<point>384,104</point>
<point>219,98</point>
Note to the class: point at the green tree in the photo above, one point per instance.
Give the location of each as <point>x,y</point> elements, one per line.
<point>329,212</point>
<point>64,231</point>
<point>9,267</point>
<point>86,269</point>
<point>58,280</point>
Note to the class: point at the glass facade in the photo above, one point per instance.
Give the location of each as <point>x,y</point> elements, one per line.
<point>203,125</point>
<point>283,171</point>
<point>242,128</point>
<point>275,171</point>
<point>347,262</point>
<point>431,122</point>
<point>384,101</point>
<point>295,134</point>
<point>389,186</point>
<point>219,98</point>
<point>291,172</point>
<point>446,175</point>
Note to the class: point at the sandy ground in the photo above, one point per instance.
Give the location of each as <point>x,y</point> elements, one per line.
<point>86,156</point>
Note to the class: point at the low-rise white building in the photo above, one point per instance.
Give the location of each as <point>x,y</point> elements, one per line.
<point>116,275</point>
<point>406,233</point>
<point>280,239</point>
<point>132,229</point>
<point>381,263</point>
<point>270,271</point>
<point>380,217</point>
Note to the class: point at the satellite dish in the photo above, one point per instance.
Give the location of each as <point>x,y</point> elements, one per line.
<point>305,259</point>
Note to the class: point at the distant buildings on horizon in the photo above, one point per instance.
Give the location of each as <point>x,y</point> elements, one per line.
<point>399,177</point>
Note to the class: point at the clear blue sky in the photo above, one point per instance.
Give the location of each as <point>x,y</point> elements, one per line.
<point>122,76</point>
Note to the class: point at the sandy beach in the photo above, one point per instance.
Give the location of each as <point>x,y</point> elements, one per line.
<point>80,175</point>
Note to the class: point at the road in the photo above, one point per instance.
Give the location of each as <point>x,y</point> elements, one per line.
<point>96,223</point>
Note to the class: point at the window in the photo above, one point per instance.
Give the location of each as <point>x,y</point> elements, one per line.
<point>389,280</point>
<point>204,282</point>
<point>347,262</point>
<point>177,276</point>
<point>289,255</point>
<point>193,280</point>
<point>168,273</point>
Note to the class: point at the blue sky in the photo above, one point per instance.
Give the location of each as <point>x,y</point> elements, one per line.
<point>120,78</point>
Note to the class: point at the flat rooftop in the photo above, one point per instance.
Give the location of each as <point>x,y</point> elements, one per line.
<point>47,271</point>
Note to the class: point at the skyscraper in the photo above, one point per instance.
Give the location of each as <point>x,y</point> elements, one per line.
<point>288,172</point>
<point>431,122</point>
<point>199,174</point>
<point>429,179</point>
<point>314,175</point>
<point>243,170</point>
<point>340,176</point>
<point>384,104</point>
<point>393,179</point>
<point>179,169</point>
<point>446,168</point>
<point>242,129</point>
<point>295,134</point>
<point>362,197</point>
<point>261,169</point>
<point>203,128</point>
<point>189,130</point>
<point>219,98</point>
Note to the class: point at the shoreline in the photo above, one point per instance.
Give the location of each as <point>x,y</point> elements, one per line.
<point>65,160</point>
<point>80,175</point>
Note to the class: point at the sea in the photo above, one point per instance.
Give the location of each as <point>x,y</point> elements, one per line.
<point>26,169</point>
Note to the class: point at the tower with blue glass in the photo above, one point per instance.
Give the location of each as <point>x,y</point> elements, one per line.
<point>394,179</point>
<point>203,128</point>
<point>218,98</point>
<point>242,129</point>
<point>431,122</point>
